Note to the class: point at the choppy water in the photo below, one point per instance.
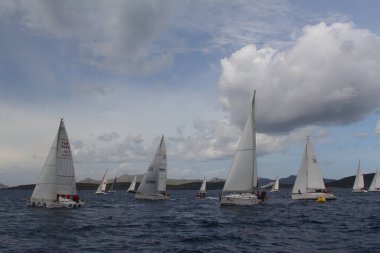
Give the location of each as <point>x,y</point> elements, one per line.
<point>119,223</point>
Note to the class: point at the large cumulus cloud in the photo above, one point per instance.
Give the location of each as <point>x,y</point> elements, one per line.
<point>330,76</point>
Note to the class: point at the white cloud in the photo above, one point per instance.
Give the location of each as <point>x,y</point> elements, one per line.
<point>328,77</point>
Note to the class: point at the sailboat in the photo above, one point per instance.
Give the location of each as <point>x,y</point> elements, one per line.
<point>375,185</point>
<point>242,178</point>
<point>276,185</point>
<point>103,184</point>
<point>202,191</point>
<point>132,186</point>
<point>358,186</point>
<point>56,187</point>
<point>309,182</point>
<point>153,184</point>
<point>113,186</point>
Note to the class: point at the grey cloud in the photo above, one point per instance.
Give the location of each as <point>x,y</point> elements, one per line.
<point>114,35</point>
<point>109,136</point>
<point>329,77</point>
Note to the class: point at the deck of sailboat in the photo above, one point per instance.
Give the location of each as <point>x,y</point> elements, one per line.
<point>312,196</point>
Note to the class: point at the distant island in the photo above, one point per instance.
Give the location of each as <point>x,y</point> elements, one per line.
<point>124,181</point>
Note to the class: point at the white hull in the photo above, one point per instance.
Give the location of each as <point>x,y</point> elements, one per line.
<point>376,190</point>
<point>359,191</point>
<point>274,191</point>
<point>101,192</point>
<point>244,199</point>
<point>151,196</point>
<point>64,203</point>
<point>312,195</point>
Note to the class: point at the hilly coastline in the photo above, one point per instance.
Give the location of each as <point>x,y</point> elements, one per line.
<point>124,181</point>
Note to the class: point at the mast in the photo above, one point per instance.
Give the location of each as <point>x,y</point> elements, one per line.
<point>254,176</point>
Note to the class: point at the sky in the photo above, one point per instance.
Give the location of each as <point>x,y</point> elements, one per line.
<point>123,73</point>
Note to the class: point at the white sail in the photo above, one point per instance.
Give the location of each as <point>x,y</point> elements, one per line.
<point>276,185</point>
<point>157,171</point>
<point>359,179</point>
<point>133,185</point>
<point>65,166</point>
<point>162,172</point>
<point>203,186</point>
<point>375,185</point>
<point>103,184</point>
<point>46,187</point>
<point>309,177</point>
<point>243,173</point>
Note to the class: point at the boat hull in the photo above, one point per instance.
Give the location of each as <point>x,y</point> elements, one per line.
<point>151,196</point>
<point>131,191</point>
<point>274,191</point>
<point>376,190</point>
<point>312,195</point>
<point>359,191</point>
<point>66,203</point>
<point>244,199</point>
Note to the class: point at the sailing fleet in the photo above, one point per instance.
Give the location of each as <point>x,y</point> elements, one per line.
<point>56,186</point>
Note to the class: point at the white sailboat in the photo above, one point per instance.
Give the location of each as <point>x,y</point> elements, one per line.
<point>358,186</point>
<point>242,178</point>
<point>153,185</point>
<point>276,186</point>
<point>309,182</point>
<point>113,186</point>
<point>375,185</point>
<point>132,186</point>
<point>56,187</point>
<point>103,184</point>
<point>202,191</point>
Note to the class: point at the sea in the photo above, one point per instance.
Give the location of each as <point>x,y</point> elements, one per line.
<point>117,222</point>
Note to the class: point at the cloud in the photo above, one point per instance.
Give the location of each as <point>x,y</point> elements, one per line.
<point>117,35</point>
<point>329,77</point>
<point>130,149</point>
<point>109,136</point>
<point>361,134</point>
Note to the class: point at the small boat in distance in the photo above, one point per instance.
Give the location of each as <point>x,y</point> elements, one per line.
<point>276,186</point>
<point>309,182</point>
<point>103,184</point>
<point>358,186</point>
<point>202,191</point>
<point>132,186</point>
<point>375,185</point>
<point>153,184</point>
<point>56,186</point>
<point>242,178</point>
<point>113,186</point>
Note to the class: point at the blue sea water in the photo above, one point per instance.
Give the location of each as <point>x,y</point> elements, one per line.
<point>119,223</point>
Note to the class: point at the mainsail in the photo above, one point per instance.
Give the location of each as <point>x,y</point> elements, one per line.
<point>359,179</point>
<point>133,185</point>
<point>203,186</point>
<point>103,184</point>
<point>309,177</point>
<point>154,180</point>
<point>375,185</point>
<point>243,173</point>
<point>114,183</point>
<point>276,185</point>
